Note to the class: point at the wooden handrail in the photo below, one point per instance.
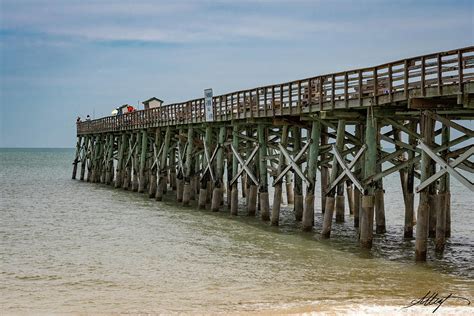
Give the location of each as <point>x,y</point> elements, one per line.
<point>326,89</point>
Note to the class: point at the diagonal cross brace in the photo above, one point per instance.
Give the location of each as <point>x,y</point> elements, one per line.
<point>446,167</point>
<point>292,164</point>
<point>244,165</point>
<point>180,158</point>
<point>209,161</point>
<point>346,169</point>
<point>156,159</point>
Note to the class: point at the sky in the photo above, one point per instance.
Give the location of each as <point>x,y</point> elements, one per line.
<point>64,58</point>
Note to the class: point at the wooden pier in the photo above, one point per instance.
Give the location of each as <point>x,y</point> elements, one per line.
<point>282,135</point>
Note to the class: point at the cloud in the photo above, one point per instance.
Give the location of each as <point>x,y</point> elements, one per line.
<point>193,21</point>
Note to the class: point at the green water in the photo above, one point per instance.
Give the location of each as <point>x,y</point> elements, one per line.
<point>70,246</point>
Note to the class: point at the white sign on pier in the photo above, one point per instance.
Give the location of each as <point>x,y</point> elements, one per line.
<point>208,106</point>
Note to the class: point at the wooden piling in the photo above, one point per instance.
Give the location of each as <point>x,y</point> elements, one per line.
<point>109,162</point>
<point>154,168</point>
<point>143,154</point>
<point>127,177</point>
<point>359,134</point>
<point>234,202</point>
<point>84,157</point>
<point>370,168</point>
<point>136,162</point>
<point>76,158</point>
<point>163,167</point>
<point>340,202</point>
<point>324,170</point>
<point>330,200</point>
<point>308,212</point>
<point>409,184</point>
<point>442,206</point>
<point>277,195</point>
<point>188,167</point>
<point>424,206</point>
<point>262,167</point>
<point>218,185</point>
<point>298,181</point>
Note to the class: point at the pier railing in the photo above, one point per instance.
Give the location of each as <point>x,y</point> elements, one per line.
<point>378,85</point>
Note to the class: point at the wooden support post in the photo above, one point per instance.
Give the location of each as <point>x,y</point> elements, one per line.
<point>143,154</point>
<point>340,202</point>
<point>172,167</point>
<point>308,212</point>
<point>370,168</point>
<point>380,227</point>
<point>188,172</point>
<point>298,182</point>
<point>103,162</point>
<point>127,178</point>
<point>356,194</point>
<point>350,196</point>
<point>330,200</point>
<point>424,205</point>
<point>76,158</point>
<point>446,185</point>
<point>90,157</point>
<point>262,166</point>
<point>251,189</point>
<point>85,150</point>
<point>409,183</point>
<point>179,175</point>
<point>278,186</point>
<point>136,162</point>
<point>218,184</point>
<point>95,175</point>
<point>163,168</point>
<point>154,167</point>
<point>290,199</point>
<point>119,171</point>
<point>229,169</point>
<point>441,215</point>
<point>234,202</point>
<point>202,199</point>
<point>324,170</point>
<point>109,173</point>
<point>195,181</point>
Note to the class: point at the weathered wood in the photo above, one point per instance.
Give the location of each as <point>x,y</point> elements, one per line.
<point>136,162</point>
<point>324,169</point>
<point>443,207</point>
<point>77,155</point>
<point>298,180</point>
<point>359,133</point>
<point>127,174</point>
<point>188,167</point>
<point>277,196</point>
<point>143,154</point>
<point>218,183</point>
<point>330,200</point>
<point>234,203</point>
<point>162,167</point>
<point>308,212</point>
<point>370,168</point>
<point>263,176</point>
<point>424,206</point>
<point>85,151</point>
<point>380,226</point>
<point>119,170</point>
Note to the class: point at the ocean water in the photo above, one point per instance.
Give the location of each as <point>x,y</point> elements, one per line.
<point>68,246</point>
